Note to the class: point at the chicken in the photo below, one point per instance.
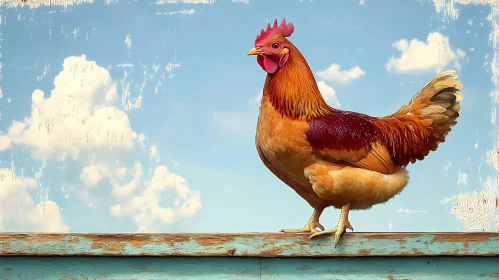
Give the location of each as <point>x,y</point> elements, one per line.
<point>343,159</point>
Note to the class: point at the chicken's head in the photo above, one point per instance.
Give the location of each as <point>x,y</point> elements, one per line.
<point>270,46</point>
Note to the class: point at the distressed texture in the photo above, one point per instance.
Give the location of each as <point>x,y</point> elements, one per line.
<point>247,268</point>
<point>476,208</point>
<point>250,244</point>
<point>128,268</point>
<point>381,268</point>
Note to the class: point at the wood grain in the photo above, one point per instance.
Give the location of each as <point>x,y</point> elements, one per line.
<point>219,268</point>
<point>249,245</point>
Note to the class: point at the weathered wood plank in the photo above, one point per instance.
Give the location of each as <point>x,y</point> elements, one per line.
<point>100,268</point>
<point>249,244</point>
<point>86,268</point>
<point>464,268</point>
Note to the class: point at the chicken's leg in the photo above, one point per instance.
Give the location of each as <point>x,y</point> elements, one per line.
<point>311,225</point>
<point>343,224</point>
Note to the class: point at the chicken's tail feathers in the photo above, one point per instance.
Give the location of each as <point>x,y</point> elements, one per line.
<point>438,104</point>
<point>418,128</point>
<point>442,92</point>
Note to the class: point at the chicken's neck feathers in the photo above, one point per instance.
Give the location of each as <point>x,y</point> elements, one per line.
<point>293,91</point>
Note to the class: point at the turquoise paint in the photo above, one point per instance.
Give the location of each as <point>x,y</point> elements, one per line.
<point>258,244</point>
<point>444,268</point>
<point>85,268</point>
<point>267,256</point>
<point>220,268</point>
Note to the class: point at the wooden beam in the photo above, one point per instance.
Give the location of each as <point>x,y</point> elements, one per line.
<point>223,268</point>
<point>249,244</point>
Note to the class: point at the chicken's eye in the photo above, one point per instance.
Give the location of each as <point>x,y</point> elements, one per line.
<point>275,46</point>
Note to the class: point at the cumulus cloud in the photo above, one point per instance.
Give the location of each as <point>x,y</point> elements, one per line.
<point>141,140</point>
<point>329,94</point>
<point>4,142</point>
<point>79,120</point>
<point>416,55</point>
<point>93,174</point>
<point>78,115</point>
<point>18,212</point>
<point>334,73</point>
<point>126,189</point>
<point>147,209</point>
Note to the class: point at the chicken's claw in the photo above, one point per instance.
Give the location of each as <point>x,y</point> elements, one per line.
<point>343,224</point>
<point>311,226</point>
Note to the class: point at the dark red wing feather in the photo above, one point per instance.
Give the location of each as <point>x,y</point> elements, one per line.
<point>342,130</point>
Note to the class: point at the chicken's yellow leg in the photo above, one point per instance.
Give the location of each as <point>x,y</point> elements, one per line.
<point>311,225</point>
<point>343,224</point>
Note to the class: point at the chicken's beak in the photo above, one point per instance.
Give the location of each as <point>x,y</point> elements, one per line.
<point>254,51</point>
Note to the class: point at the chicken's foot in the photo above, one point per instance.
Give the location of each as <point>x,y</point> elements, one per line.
<point>343,224</point>
<point>311,226</point>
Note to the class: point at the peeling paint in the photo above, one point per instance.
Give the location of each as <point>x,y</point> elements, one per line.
<point>250,244</point>
<point>476,210</point>
<point>33,4</point>
<point>160,2</point>
<point>409,211</point>
<point>184,12</point>
<point>128,42</point>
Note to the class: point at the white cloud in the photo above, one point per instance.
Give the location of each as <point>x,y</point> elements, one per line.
<point>154,153</point>
<point>334,73</point>
<point>128,188</point>
<point>146,209</point>
<point>416,55</point>
<point>18,212</point>
<point>114,175</point>
<point>329,94</point>
<point>141,140</point>
<point>78,116</point>
<point>4,142</point>
<point>79,120</point>
<point>93,174</point>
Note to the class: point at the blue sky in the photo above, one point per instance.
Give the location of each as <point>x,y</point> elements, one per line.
<point>140,115</point>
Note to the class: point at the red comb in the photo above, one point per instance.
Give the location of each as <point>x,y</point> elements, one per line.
<point>284,29</point>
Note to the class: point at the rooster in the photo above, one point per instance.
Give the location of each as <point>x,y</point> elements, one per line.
<point>337,158</point>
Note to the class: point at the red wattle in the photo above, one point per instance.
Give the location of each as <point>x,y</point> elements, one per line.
<point>259,59</point>
<point>267,64</point>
